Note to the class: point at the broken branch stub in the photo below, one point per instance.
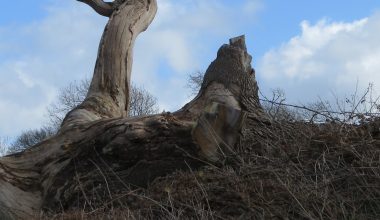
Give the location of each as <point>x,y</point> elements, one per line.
<point>229,94</point>
<point>218,130</point>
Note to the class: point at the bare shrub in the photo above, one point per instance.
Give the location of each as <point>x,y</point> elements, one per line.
<point>141,101</point>
<point>30,138</point>
<point>277,109</point>
<point>357,108</point>
<point>68,98</point>
<point>194,82</point>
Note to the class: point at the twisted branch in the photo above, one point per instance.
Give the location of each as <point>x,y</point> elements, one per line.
<point>103,8</point>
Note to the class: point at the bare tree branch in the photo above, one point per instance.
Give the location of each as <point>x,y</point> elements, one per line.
<point>101,7</point>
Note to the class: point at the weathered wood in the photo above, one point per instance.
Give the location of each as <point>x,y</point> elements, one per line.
<point>108,96</point>
<point>230,80</point>
<point>217,131</point>
<point>100,151</point>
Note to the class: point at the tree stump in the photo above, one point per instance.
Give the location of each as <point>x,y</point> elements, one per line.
<point>100,150</point>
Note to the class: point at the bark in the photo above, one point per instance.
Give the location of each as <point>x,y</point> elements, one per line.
<point>99,150</point>
<point>108,96</point>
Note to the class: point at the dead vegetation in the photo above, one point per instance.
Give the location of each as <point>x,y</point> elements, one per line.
<point>286,170</point>
<point>300,171</point>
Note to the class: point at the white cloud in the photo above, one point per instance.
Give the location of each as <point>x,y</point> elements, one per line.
<point>325,57</point>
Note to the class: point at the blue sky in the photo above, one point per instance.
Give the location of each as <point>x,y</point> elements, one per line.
<point>308,48</point>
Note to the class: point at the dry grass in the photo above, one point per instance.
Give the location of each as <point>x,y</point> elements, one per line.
<point>317,163</point>
<point>290,170</point>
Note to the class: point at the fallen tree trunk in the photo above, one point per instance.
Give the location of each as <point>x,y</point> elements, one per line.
<point>99,150</point>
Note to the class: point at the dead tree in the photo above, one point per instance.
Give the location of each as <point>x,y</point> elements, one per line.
<point>99,149</point>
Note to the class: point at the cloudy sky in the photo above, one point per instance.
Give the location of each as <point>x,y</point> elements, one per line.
<point>310,49</point>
